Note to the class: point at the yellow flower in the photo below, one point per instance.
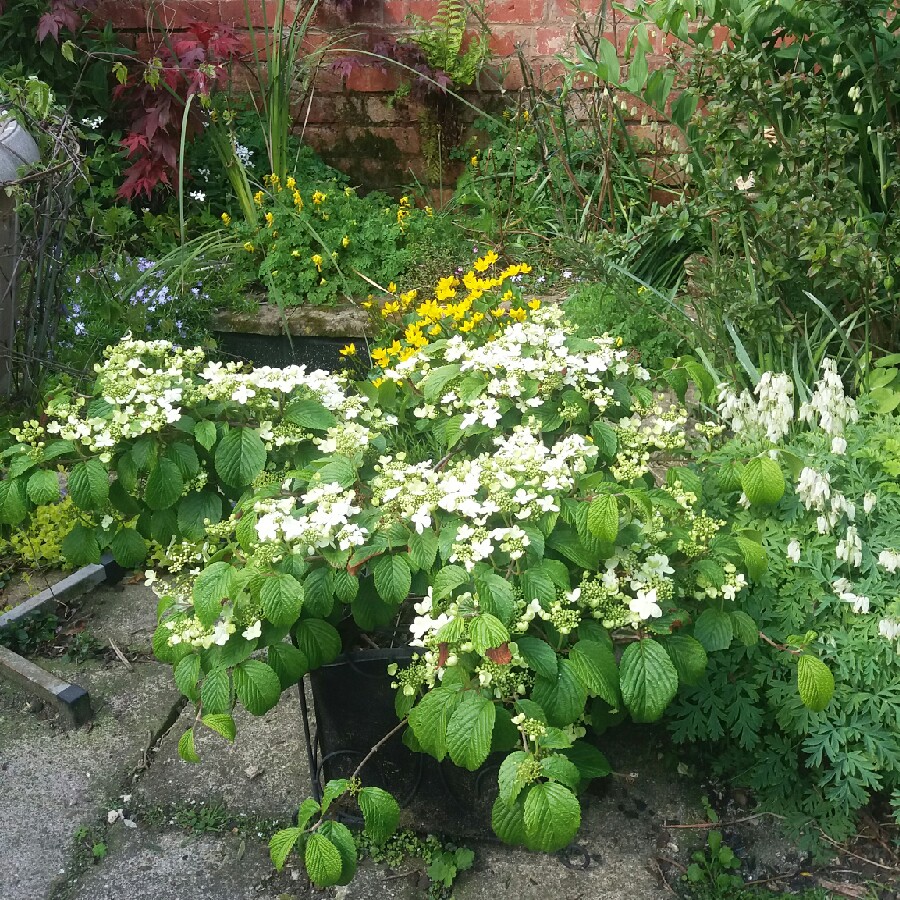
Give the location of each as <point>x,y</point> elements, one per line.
<point>317,261</point>
<point>525,115</point>
<point>409,297</point>
<point>518,314</point>
<point>349,350</point>
<point>319,198</point>
<point>618,342</point>
<point>367,304</point>
<point>389,308</point>
<point>348,191</point>
<point>392,288</point>
<point>378,382</point>
<point>291,183</point>
<point>468,325</point>
<point>534,304</point>
<point>249,247</point>
<point>270,219</point>
<point>486,261</point>
<point>404,202</point>
<point>474,161</point>
<point>295,254</point>
<point>226,219</point>
<point>345,241</point>
<point>298,200</point>
<point>434,330</point>
<point>380,357</point>
<point>258,198</point>
<point>498,312</point>
<point>507,297</point>
<point>429,211</point>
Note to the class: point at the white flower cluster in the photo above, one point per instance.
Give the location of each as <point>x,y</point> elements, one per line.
<point>889,560</point>
<point>317,519</point>
<point>525,365</point>
<point>769,415</point>
<point>829,407</point>
<point>521,480</point>
<point>651,428</point>
<point>815,493</point>
<point>843,588</point>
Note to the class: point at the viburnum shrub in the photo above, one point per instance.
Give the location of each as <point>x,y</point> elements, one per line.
<point>832,586</point>
<point>503,488</point>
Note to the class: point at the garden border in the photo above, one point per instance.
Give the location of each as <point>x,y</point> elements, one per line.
<point>71,700</point>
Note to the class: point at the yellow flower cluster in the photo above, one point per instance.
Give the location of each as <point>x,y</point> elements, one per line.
<point>458,306</point>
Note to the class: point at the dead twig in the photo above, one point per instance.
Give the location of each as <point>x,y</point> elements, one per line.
<point>122,657</point>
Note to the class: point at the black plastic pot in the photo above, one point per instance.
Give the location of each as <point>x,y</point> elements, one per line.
<point>354,710</point>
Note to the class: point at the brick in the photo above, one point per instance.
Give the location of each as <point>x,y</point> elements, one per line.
<point>121,13</point>
<point>373,79</point>
<point>234,13</point>
<point>550,41</point>
<point>567,9</point>
<point>519,11</point>
<point>170,14</point>
<point>394,12</point>
<point>380,110</point>
<point>503,40</point>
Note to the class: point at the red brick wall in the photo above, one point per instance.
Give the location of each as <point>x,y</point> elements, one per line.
<point>350,118</point>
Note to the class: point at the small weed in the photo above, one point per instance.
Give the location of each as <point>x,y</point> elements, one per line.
<point>29,635</point>
<point>89,848</point>
<point>81,647</point>
<point>201,819</point>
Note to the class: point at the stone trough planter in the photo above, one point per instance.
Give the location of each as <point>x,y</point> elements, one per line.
<point>317,334</point>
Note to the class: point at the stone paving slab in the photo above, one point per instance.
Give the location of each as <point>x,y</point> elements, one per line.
<point>54,780</point>
<point>124,612</point>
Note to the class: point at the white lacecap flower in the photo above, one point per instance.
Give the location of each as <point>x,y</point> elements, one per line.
<point>645,605</point>
<point>252,631</point>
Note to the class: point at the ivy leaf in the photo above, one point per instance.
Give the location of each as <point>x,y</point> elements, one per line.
<point>281,597</point>
<point>222,724</point>
<point>257,686</point>
<point>469,731</point>
<point>215,692</point>
<point>88,485</point>
<point>688,656</point>
<point>552,816</point>
<point>429,720</point>
<point>815,683</point>
<point>43,487</point>
<point>487,631</point>
<point>714,629</point>
<point>240,456</point>
<point>211,587</point>
<point>186,747</point>
<point>164,485</point>
<point>381,813</point>
<point>562,698</point>
<point>393,578</point>
<point>322,860</point>
<point>283,841</point>
<point>649,680</point>
<point>603,518</point>
<point>128,548</point>
<point>595,666</point>
<point>762,481</point>
<point>80,546</point>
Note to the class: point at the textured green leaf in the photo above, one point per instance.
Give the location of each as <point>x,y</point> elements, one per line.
<point>43,487</point>
<point>322,860</point>
<point>590,761</point>
<point>688,656</point>
<point>603,518</point>
<point>205,434</point>
<point>318,592</point>
<point>185,458</point>
<point>257,686</point>
<point>762,481</point>
<point>381,813</point>
<point>538,585</point>
<point>240,456</point>
<point>595,666</point>
<point>495,595</point>
<point>342,838</point>
<point>469,731</point>
<point>423,549</point>
<point>335,788</point>
<point>552,816</point>
<point>128,548</point>
<point>186,747</point>
<point>745,629</point>
<point>509,781</point>
<point>196,510</point>
<point>222,724</point>
<point>539,655</point>
<point>88,484</point>
<point>487,631</point>
<point>346,586</point>
<point>714,629</point>
<point>754,556</point>
<point>281,597</point>
<point>815,683</point>
<point>648,679</point>
<point>211,587</point>
<point>318,640</point>
<point>429,719</point>
<point>12,503</point>
<point>164,485</point>
<point>215,692</point>
<point>283,841</point>
<point>80,547</point>
<point>562,698</point>
<point>307,413</point>
<point>289,663</point>
<point>558,768</point>
<point>187,674</point>
<point>508,821</point>
<point>448,580</point>
<point>393,578</point>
